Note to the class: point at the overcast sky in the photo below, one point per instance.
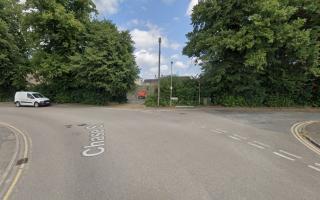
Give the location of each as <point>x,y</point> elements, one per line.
<point>147,20</point>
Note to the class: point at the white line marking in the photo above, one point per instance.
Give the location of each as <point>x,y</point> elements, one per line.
<point>216,131</point>
<point>283,156</point>
<point>203,127</point>
<point>235,138</point>
<point>239,136</point>
<point>315,168</point>
<point>262,144</point>
<point>222,131</point>
<point>255,145</point>
<point>290,154</point>
<point>318,164</point>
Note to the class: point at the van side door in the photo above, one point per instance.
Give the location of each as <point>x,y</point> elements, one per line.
<point>30,100</point>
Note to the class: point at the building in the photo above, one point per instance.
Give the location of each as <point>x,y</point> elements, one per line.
<point>148,82</point>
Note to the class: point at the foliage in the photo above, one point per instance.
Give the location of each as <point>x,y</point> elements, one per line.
<point>152,101</point>
<point>231,101</point>
<point>107,64</point>
<point>78,58</point>
<point>185,88</point>
<point>256,52</point>
<point>13,54</point>
<point>282,101</point>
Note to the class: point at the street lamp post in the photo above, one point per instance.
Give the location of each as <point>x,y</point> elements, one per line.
<point>159,72</point>
<point>171,88</point>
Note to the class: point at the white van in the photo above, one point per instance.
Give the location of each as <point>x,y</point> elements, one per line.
<point>30,99</point>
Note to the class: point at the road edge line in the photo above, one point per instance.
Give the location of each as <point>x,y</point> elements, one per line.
<point>14,157</point>
<point>21,167</point>
<point>295,131</point>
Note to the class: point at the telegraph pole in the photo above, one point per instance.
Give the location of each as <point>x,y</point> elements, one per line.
<point>171,88</point>
<point>199,91</point>
<point>159,71</point>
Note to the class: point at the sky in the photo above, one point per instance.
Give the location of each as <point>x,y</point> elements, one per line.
<point>147,20</point>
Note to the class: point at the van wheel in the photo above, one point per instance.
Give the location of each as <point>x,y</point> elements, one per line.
<point>17,104</point>
<point>36,104</point>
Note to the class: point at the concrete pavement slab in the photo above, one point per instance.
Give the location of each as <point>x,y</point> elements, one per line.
<point>313,131</point>
<point>7,149</point>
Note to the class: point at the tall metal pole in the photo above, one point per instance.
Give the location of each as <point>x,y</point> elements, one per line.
<point>199,91</point>
<point>159,72</point>
<point>171,86</point>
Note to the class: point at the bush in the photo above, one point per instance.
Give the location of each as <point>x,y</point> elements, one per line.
<point>271,101</point>
<point>185,88</point>
<point>231,101</point>
<point>77,95</point>
<point>152,101</point>
<point>279,101</point>
<point>6,99</point>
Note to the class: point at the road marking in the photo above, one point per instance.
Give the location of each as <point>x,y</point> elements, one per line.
<point>14,183</point>
<point>235,138</point>
<point>283,156</point>
<point>255,145</point>
<point>25,155</point>
<point>216,131</point>
<point>315,168</point>
<point>295,130</point>
<point>239,136</point>
<point>203,127</point>
<point>14,157</point>
<point>318,164</point>
<point>96,134</point>
<point>262,144</point>
<point>290,154</point>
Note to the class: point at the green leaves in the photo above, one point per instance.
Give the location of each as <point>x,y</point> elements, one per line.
<point>107,62</point>
<point>77,56</point>
<point>185,88</point>
<point>257,59</point>
<point>13,54</point>
<point>254,48</point>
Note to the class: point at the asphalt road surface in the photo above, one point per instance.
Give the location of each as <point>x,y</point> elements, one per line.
<point>81,152</point>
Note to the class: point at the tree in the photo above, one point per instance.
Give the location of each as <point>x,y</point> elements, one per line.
<point>185,88</point>
<point>78,58</point>
<point>107,65</point>
<point>253,49</point>
<point>56,34</point>
<point>13,54</point>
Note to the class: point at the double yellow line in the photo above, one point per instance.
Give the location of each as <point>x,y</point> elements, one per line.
<point>25,155</point>
<point>296,130</point>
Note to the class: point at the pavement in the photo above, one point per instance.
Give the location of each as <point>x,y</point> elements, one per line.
<point>8,153</point>
<point>7,149</point>
<point>313,132</point>
<point>88,152</point>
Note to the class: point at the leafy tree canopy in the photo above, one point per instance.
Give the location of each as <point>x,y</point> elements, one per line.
<point>13,57</point>
<point>256,48</point>
<point>76,57</point>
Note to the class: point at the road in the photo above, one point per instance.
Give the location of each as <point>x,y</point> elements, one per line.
<point>161,154</point>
